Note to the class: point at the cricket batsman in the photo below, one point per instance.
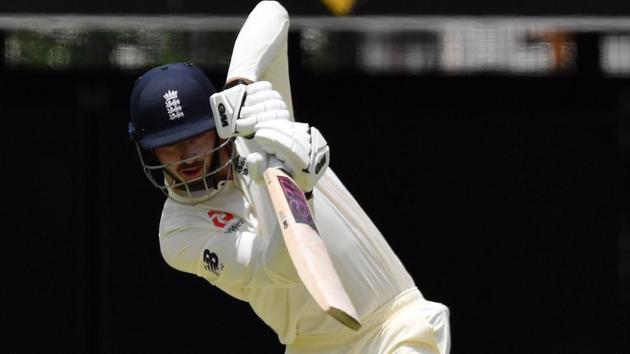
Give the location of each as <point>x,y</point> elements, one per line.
<point>218,221</point>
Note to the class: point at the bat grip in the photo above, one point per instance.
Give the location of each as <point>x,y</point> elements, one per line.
<point>275,163</point>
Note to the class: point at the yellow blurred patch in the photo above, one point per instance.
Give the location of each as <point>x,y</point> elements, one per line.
<point>339,7</point>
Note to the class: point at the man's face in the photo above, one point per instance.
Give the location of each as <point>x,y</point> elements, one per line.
<point>194,150</point>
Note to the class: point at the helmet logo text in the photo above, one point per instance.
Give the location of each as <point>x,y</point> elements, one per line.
<point>173,105</point>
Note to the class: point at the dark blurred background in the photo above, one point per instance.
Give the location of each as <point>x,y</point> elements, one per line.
<point>491,149</point>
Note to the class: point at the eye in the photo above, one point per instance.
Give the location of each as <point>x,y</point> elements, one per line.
<point>166,153</point>
<point>198,138</point>
<point>168,150</point>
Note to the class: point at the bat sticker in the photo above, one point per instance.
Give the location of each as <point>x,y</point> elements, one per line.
<point>297,202</point>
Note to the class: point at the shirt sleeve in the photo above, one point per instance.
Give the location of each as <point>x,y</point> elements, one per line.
<point>235,261</point>
<point>260,50</point>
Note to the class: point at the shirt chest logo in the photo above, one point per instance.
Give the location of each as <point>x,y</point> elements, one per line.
<point>211,262</point>
<point>225,221</point>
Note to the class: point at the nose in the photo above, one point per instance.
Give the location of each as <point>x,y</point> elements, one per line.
<point>188,150</point>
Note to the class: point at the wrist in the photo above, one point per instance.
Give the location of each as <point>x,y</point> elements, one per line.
<point>236,81</point>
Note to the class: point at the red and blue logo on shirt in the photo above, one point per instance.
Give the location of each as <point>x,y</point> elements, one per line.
<point>224,220</point>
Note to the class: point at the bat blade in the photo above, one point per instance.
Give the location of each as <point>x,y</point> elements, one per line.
<point>307,250</point>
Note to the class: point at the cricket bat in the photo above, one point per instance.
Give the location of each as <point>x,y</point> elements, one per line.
<point>307,250</point>
<point>260,50</point>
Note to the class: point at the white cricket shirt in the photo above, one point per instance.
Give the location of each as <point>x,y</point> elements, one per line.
<point>233,239</point>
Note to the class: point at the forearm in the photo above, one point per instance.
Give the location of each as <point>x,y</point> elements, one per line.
<point>260,40</point>
<point>260,50</point>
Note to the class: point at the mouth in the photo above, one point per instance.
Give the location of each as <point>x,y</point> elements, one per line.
<point>191,172</point>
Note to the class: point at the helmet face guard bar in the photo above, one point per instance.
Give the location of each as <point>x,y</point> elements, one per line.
<point>165,178</point>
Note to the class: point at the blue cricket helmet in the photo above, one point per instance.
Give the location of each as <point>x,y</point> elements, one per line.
<point>170,103</point>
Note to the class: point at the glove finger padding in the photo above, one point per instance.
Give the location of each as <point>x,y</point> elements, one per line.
<point>262,104</point>
<point>288,141</point>
<point>272,109</point>
<point>268,104</point>
<point>257,96</point>
<point>303,150</point>
<point>257,87</point>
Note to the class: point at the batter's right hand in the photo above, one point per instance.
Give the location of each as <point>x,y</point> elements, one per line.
<point>238,109</point>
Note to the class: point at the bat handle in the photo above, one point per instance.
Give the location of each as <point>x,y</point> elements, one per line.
<point>275,163</point>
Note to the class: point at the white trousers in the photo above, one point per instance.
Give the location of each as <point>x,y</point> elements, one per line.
<point>407,324</point>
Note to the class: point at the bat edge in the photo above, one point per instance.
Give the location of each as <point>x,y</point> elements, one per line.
<point>343,317</point>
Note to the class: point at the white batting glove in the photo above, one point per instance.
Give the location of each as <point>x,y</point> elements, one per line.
<point>257,164</point>
<point>302,149</point>
<point>238,109</point>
